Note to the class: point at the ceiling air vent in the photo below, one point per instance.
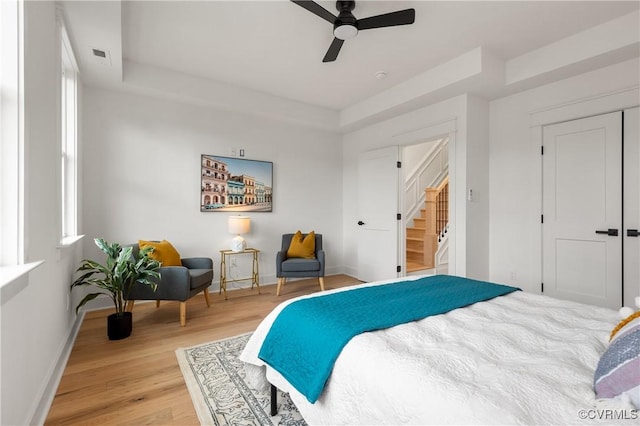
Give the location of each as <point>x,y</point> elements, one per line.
<point>101,56</point>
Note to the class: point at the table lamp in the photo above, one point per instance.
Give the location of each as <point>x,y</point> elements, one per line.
<point>239,225</point>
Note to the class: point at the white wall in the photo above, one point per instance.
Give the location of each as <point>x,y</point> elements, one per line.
<point>477,172</point>
<point>37,320</point>
<point>142,178</point>
<point>413,156</point>
<point>515,163</point>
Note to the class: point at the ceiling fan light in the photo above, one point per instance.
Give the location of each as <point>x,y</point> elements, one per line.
<point>345,32</point>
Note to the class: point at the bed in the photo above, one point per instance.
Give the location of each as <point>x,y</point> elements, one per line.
<point>518,358</point>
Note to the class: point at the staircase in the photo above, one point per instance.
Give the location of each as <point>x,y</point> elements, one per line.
<point>428,229</point>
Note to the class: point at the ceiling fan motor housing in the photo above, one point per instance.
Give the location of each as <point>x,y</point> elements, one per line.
<point>345,26</point>
<point>345,5</point>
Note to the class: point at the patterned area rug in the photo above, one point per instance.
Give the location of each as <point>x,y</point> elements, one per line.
<point>215,378</point>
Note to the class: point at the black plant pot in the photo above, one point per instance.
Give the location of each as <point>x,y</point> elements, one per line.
<point>119,326</point>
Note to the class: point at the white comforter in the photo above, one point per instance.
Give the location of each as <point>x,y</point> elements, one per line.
<point>516,359</point>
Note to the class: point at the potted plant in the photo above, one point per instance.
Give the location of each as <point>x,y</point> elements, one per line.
<point>121,272</point>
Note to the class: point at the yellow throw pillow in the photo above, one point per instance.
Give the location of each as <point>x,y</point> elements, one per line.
<point>163,252</point>
<point>622,323</point>
<point>305,248</point>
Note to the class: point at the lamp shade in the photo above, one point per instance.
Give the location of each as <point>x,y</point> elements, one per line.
<point>239,224</point>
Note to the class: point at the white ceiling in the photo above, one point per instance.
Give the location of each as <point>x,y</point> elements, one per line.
<point>277,47</point>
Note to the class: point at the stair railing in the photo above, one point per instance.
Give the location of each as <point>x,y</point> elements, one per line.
<point>431,171</point>
<point>437,217</point>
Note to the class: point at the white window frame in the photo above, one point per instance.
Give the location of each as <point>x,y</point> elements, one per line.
<point>68,166</point>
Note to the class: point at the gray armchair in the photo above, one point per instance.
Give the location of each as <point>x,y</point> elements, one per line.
<point>178,283</point>
<point>297,267</point>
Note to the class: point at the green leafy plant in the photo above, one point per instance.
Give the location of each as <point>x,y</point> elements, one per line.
<point>121,272</point>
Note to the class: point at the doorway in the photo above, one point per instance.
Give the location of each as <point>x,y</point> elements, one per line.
<point>382,204</point>
<point>424,182</point>
<point>381,246</point>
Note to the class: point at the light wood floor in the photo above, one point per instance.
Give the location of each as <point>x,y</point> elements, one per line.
<point>137,381</point>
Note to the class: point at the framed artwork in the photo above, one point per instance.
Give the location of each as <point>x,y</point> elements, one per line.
<point>231,184</point>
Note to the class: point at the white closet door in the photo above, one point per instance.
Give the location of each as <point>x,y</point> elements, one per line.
<point>582,210</point>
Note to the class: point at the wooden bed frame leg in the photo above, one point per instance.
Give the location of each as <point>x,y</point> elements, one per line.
<point>274,400</point>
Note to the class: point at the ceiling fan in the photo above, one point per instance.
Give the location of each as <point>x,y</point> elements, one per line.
<point>346,26</point>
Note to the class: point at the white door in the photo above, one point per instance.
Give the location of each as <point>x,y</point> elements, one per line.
<point>582,210</point>
<point>631,217</point>
<point>378,177</point>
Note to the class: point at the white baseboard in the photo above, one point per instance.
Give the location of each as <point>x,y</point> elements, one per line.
<point>49,392</point>
<point>352,271</point>
<point>269,280</point>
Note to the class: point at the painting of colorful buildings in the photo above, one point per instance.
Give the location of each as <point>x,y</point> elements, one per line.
<point>235,184</point>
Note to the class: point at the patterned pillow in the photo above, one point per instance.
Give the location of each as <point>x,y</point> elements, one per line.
<point>618,371</point>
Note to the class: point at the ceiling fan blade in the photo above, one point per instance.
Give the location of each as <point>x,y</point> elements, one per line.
<point>316,9</point>
<point>333,51</point>
<point>401,17</point>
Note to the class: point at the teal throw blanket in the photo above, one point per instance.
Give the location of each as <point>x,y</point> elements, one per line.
<point>309,334</point>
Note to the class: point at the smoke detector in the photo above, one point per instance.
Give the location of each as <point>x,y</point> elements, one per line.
<point>380,75</point>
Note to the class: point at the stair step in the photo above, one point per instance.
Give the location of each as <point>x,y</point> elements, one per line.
<point>413,232</point>
<point>419,222</point>
<point>415,243</point>
<point>412,266</point>
<point>415,255</point>
<point>415,266</point>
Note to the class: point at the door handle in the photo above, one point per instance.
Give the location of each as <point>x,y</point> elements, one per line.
<point>633,233</point>
<point>610,232</point>
<point>360,223</point>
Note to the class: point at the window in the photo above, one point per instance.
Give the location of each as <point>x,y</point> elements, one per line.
<point>11,135</point>
<point>68,140</point>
